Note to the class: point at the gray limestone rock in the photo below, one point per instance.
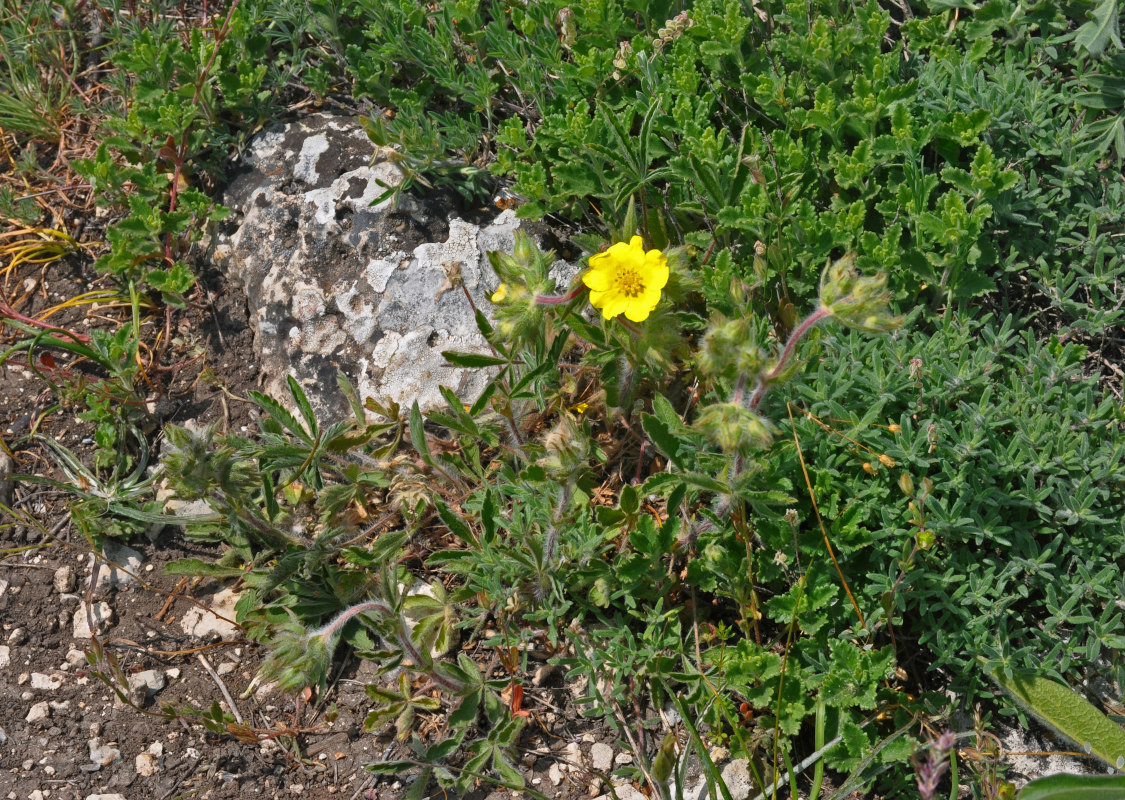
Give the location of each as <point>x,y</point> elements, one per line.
<point>337,283</point>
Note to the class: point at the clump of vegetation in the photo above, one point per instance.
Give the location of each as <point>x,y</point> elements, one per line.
<point>829,440</point>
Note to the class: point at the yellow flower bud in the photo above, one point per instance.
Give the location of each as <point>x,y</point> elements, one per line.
<point>868,467</point>
<point>887,461</point>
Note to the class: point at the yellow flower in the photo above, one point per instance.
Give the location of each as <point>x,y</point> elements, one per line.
<point>626,280</point>
<point>500,293</point>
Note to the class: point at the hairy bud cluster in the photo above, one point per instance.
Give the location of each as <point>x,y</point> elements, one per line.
<point>855,300</point>
<point>621,60</point>
<point>673,29</point>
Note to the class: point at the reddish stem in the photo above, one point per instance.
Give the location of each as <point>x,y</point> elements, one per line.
<point>6,311</point>
<point>559,299</point>
<point>799,332</point>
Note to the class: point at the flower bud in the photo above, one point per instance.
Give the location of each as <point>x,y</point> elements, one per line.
<point>734,428</point>
<point>906,484</point>
<point>887,461</point>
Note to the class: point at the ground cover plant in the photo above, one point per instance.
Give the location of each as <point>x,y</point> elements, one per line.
<point>829,424</point>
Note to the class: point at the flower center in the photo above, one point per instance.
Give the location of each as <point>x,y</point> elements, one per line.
<point>629,283</point>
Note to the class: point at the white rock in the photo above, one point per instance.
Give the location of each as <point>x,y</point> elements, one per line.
<point>46,682</point>
<point>601,757</point>
<point>225,668</point>
<point>39,711</point>
<point>5,655</point>
<point>64,579</point>
<point>75,657</point>
<point>574,755</point>
<point>119,566</point>
<point>148,682</point>
<point>103,619</point>
<point>205,625</point>
<point>102,754</point>
<point>623,758</point>
<point>719,755</point>
<point>36,794</point>
<point>3,737</point>
<point>625,791</point>
<point>105,797</point>
<point>736,775</point>
<point>554,774</point>
<point>147,764</point>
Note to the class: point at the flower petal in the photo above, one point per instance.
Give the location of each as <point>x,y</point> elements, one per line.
<point>596,279</point>
<point>615,304</point>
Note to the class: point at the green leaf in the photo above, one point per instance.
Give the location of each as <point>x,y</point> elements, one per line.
<point>196,566</point>
<point>455,523</point>
<point>1102,29</point>
<point>1068,713</point>
<point>418,434</point>
<point>281,415</point>
<point>1075,787</point>
<point>512,778</point>
<point>303,404</point>
<point>472,360</point>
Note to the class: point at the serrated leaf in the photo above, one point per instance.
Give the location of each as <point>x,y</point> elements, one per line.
<point>303,405</point>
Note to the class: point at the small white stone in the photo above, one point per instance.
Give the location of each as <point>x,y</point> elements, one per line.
<point>173,673</point>
<point>57,705</point>
<point>119,567</point>
<point>204,624</point>
<point>75,657</point>
<point>39,711</point>
<point>554,774</point>
<point>574,755</point>
<point>736,775</point>
<point>148,683</point>
<point>64,579</point>
<point>103,618</point>
<point>147,765</point>
<point>113,796</point>
<point>225,668</point>
<point>102,754</point>
<point>623,758</point>
<point>36,794</point>
<point>601,757</point>
<point>5,655</point>
<point>45,682</point>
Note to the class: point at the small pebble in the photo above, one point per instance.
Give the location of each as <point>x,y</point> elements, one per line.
<point>64,579</point>
<point>38,712</point>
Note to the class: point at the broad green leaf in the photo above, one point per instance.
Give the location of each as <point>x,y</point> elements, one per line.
<point>1075,787</point>
<point>1068,713</point>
